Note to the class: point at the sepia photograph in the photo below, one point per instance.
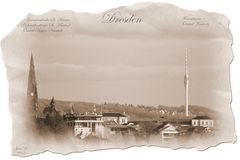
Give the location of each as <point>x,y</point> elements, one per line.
<point>118,79</point>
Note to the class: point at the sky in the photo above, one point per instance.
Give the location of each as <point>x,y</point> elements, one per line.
<point>126,63</point>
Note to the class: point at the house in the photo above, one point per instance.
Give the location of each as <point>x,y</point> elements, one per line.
<point>168,131</point>
<point>203,121</point>
<point>85,125</point>
<point>116,117</point>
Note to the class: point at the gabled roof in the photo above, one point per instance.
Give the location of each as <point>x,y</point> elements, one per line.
<point>168,127</point>
<point>159,127</point>
<point>113,114</point>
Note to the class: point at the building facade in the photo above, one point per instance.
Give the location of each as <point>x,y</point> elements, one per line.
<point>203,121</point>
<point>168,131</point>
<point>84,125</point>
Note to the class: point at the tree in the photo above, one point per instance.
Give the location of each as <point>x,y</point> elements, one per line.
<point>53,118</point>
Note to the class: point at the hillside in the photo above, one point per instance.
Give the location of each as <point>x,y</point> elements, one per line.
<point>134,113</point>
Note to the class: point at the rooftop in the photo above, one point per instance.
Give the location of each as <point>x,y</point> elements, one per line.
<point>113,114</point>
<point>202,117</point>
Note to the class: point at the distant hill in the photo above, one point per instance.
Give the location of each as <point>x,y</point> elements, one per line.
<point>134,113</point>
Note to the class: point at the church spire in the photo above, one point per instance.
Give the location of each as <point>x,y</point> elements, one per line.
<point>32,94</point>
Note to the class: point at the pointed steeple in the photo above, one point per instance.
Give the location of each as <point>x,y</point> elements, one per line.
<point>32,94</point>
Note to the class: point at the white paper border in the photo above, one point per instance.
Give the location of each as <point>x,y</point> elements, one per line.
<point>13,11</point>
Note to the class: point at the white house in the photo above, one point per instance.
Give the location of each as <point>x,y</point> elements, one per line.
<point>168,131</point>
<point>85,125</point>
<point>202,121</point>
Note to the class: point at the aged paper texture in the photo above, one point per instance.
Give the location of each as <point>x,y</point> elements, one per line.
<point>147,74</point>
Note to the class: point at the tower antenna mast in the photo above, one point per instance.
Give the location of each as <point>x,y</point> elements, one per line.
<point>186,81</point>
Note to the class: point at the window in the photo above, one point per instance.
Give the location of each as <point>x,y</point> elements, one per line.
<point>211,123</point>
<point>195,122</point>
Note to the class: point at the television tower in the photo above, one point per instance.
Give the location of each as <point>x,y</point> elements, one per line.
<point>186,81</point>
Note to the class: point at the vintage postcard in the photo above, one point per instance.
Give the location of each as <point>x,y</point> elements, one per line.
<point>149,74</point>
